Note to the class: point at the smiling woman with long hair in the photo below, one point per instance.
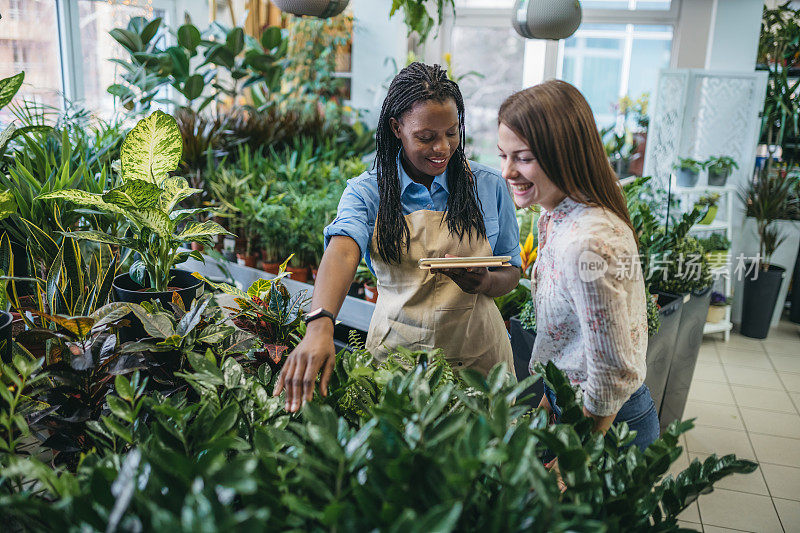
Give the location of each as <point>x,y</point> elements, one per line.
<point>421,199</point>
<point>587,282</point>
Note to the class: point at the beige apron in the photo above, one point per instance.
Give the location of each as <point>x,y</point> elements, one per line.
<point>420,310</point>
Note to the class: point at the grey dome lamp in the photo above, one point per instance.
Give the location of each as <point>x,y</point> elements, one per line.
<point>546,19</point>
<point>316,8</point>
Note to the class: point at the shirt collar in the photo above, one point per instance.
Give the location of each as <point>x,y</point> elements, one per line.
<point>405,179</point>
<point>563,209</point>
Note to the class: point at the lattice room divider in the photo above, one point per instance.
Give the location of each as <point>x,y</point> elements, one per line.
<point>702,113</point>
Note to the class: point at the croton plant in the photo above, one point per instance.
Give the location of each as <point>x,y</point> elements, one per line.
<point>269,311</point>
<point>149,197</point>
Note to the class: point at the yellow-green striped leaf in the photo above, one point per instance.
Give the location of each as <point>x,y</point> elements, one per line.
<point>134,194</point>
<point>152,148</point>
<point>195,230</point>
<point>9,87</point>
<point>175,189</point>
<point>79,197</point>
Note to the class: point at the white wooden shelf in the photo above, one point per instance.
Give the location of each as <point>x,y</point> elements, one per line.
<point>723,326</point>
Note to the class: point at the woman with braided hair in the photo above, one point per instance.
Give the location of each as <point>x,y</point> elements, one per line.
<point>422,198</point>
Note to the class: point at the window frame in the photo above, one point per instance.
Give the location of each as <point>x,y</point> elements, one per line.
<point>497,17</point>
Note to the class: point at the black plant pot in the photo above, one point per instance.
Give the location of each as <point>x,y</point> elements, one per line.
<point>661,346</point>
<point>5,336</point>
<point>126,290</point>
<point>522,346</point>
<point>718,179</point>
<point>760,295</point>
<point>684,358</point>
<point>794,310</point>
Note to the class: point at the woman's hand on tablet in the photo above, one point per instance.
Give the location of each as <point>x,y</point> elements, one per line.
<point>472,280</point>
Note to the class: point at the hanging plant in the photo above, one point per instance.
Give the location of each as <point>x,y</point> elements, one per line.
<point>417,18</point>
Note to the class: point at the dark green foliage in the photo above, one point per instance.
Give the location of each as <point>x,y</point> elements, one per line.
<point>527,316</point>
<point>406,446</point>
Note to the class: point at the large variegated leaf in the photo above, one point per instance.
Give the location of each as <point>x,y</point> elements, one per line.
<point>195,230</point>
<point>158,324</point>
<point>5,136</point>
<point>9,87</point>
<point>134,194</point>
<point>79,326</point>
<point>176,189</point>
<point>224,287</point>
<point>99,236</point>
<point>152,148</point>
<point>155,219</point>
<point>79,197</point>
<point>8,205</point>
<point>109,313</point>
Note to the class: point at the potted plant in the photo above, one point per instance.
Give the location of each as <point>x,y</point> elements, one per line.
<point>718,308</point>
<point>766,199</point>
<point>365,277</point>
<point>709,202</point>
<point>688,171</point>
<point>149,198</point>
<point>716,248</point>
<point>719,169</point>
<point>250,219</point>
<point>273,234</point>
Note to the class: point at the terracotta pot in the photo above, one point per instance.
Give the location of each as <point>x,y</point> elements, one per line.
<point>298,273</point>
<point>272,268</point>
<point>246,260</point>
<point>314,272</point>
<point>370,293</point>
<point>198,247</point>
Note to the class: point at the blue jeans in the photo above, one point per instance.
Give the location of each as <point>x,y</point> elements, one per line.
<point>639,412</point>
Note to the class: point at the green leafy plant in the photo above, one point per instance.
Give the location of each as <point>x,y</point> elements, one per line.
<point>684,268</point>
<point>692,165</point>
<point>178,331</point>
<point>721,164</point>
<point>653,318</point>
<point>708,200</point>
<point>715,242</point>
<point>149,197</point>
<point>527,316</point>
<point>364,275</point>
<point>779,51</point>
<point>416,15</point>
<point>766,198</point>
<point>268,311</point>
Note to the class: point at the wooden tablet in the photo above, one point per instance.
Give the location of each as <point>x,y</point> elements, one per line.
<point>430,263</point>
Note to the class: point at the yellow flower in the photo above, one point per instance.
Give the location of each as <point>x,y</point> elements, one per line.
<point>528,253</point>
<point>448,57</point>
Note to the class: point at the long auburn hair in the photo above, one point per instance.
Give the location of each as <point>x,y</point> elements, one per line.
<point>417,83</point>
<point>556,122</point>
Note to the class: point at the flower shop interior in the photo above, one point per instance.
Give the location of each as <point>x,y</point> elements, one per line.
<point>168,169</point>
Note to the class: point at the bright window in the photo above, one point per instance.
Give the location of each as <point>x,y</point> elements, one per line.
<point>29,42</point>
<point>609,61</point>
<point>501,75</point>
<point>98,47</point>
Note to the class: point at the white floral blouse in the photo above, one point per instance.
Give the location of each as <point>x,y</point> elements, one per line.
<point>591,312</point>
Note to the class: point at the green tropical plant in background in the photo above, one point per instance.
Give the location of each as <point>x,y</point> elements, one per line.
<point>149,197</point>
<point>768,198</point>
<point>417,17</point>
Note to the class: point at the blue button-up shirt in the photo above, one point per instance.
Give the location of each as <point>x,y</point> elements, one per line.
<point>358,208</point>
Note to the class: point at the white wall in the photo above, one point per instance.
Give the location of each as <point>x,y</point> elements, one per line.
<point>692,34</point>
<point>733,42</point>
<point>379,49</point>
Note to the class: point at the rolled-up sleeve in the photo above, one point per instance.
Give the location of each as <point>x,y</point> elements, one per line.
<point>508,237</point>
<point>613,365</point>
<point>352,218</point>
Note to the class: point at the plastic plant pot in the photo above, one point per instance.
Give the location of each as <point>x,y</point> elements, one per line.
<point>661,346</point>
<point>760,295</point>
<point>718,178</point>
<point>246,260</point>
<point>710,215</point>
<point>687,178</point>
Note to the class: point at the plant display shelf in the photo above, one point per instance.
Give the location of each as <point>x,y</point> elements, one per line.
<point>722,274</point>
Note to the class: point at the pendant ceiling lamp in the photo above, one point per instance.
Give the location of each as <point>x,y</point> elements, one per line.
<point>315,8</point>
<point>546,19</point>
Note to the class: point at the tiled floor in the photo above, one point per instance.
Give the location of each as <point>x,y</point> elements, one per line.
<point>745,397</point>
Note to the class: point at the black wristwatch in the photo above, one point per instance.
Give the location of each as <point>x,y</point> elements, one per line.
<point>318,313</point>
